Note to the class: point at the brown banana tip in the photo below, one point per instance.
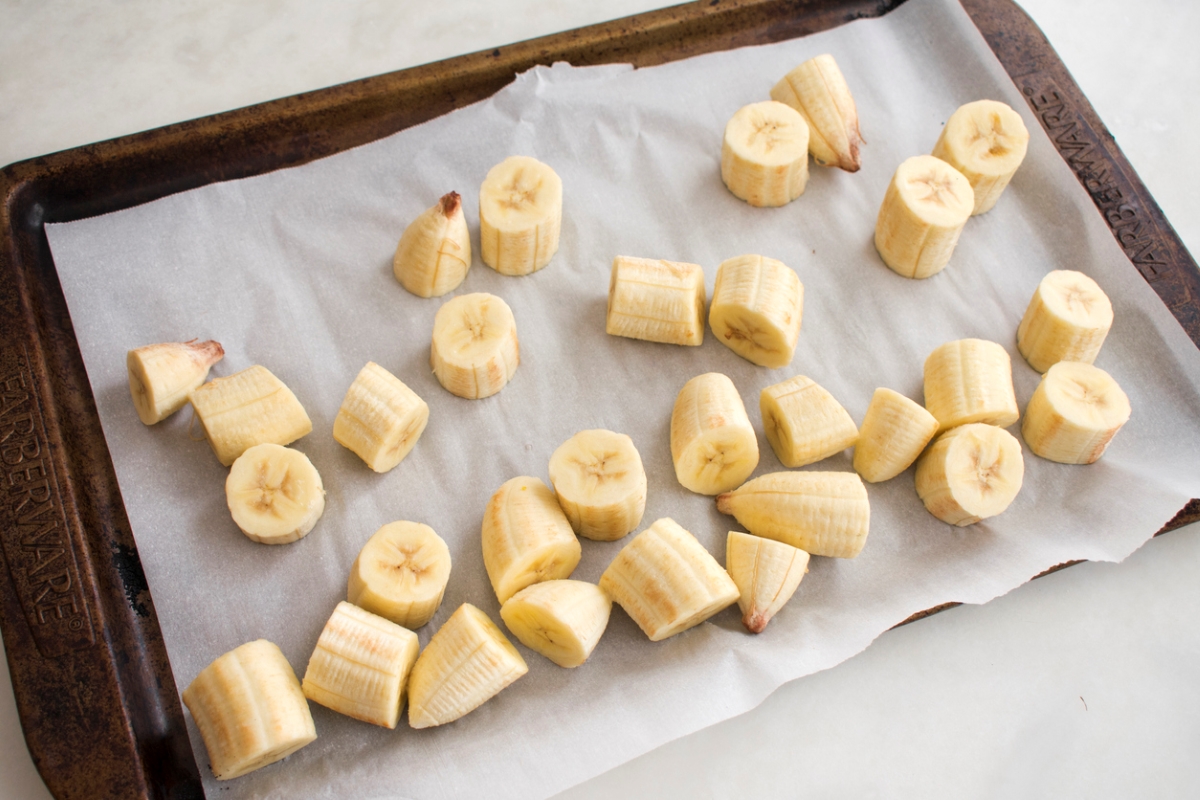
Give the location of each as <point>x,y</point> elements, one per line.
<point>450,203</point>
<point>723,503</point>
<point>755,623</point>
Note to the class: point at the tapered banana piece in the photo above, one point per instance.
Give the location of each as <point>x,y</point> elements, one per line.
<point>894,432</point>
<point>475,351</point>
<point>434,253</point>
<point>1074,413</point>
<point>764,155</point>
<point>970,473</point>
<point>249,709</point>
<point>713,445</point>
<point>924,210</point>
<point>274,493</point>
<point>401,574</point>
<point>360,666</point>
<point>248,408</point>
<point>657,301</point>
<point>600,483</point>
<point>822,513</point>
<point>818,90</point>
<point>804,423</point>
<point>1067,319</point>
<point>526,537</point>
<point>162,375</point>
<point>520,215</point>
<point>666,581</point>
<point>466,663</point>
<point>766,573</point>
<point>756,309</point>
<point>380,418</point>
<point>562,620</point>
<point>970,380</point>
<point>985,141</point>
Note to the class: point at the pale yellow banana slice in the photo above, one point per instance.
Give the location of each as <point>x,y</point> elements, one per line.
<point>466,663</point>
<point>475,350</point>
<point>1074,413</point>
<point>520,215</point>
<point>804,423</point>
<point>380,418</point>
<point>162,375</point>
<point>970,473</point>
<point>248,408</point>
<point>360,666</point>
<point>656,301</point>
<point>818,90</point>
<point>894,432</point>
<point>767,574</point>
<point>249,709</point>
<point>526,537</point>
<point>600,483</point>
<point>1067,319</point>
<point>756,309</point>
<point>713,446</point>
<point>401,573</point>
<point>764,155</point>
<point>970,380</point>
<point>923,212</point>
<point>986,142</point>
<point>434,252</point>
<point>822,513</point>
<point>666,581</point>
<point>274,493</point>
<point>563,620</point>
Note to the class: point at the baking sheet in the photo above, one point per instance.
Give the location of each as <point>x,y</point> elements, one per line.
<point>292,270</point>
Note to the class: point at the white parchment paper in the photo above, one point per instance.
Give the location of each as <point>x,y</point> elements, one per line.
<point>292,270</point>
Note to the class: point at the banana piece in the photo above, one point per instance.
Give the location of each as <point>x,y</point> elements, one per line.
<point>520,215</point>
<point>766,573</point>
<point>804,423</point>
<point>764,155</point>
<point>818,90</point>
<point>923,212</point>
<point>162,375</point>
<point>657,301</point>
<point>360,666</point>
<point>822,513</point>
<point>756,309</point>
<point>466,663</point>
<point>475,351</point>
<point>600,483</point>
<point>986,142</point>
<point>563,620</point>
<point>666,581</point>
<point>713,445</point>
<point>526,537</point>
<point>970,473</point>
<point>434,252</point>
<point>401,574</point>
<point>248,408</point>
<point>894,432</point>
<point>1074,413</point>
<point>970,380</point>
<point>249,709</point>
<point>1067,319</point>
<point>380,418</point>
<point>274,493</point>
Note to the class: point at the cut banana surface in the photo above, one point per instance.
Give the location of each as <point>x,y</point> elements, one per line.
<point>986,142</point>
<point>923,212</point>
<point>162,375</point>
<point>970,473</point>
<point>970,380</point>
<point>804,423</point>
<point>713,446</point>
<point>764,155</point>
<point>274,494</point>
<point>562,620</point>
<point>475,350</point>
<point>818,90</point>
<point>380,418</point>
<point>1074,413</point>
<point>656,301</point>
<point>401,573</point>
<point>520,215</point>
<point>1067,319</point>
<point>894,432</point>
<point>767,574</point>
<point>756,309</point>
<point>526,537</point>
<point>434,252</point>
<point>248,408</point>
<point>600,483</point>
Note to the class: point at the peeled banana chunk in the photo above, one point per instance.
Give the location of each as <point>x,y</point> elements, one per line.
<point>1067,319</point>
<point>434,252</point>
<point>804,422</point>
<point>713,446</point>
<point>656,301</point>
<point>817,89</point>
<point>274,493</point>
<point>970,380</point>
<point>894,432</point>
<point>520,215</point>
<point>401,573</point>
<point>1074,413</point>
<point>526,537</point>
<point>756,309</point>
<point>923,212</point>
<point>986,141</point>
<point>162,375</point>
<point>764,154</point>
<point>563,620</point>
<point>600,484</point>
<point>248,408</point>
<point>767,574</point>
<point>475,352</point>
<point>970,473</point>
<point>380,418</point>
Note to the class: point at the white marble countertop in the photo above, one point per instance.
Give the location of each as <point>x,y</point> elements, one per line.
<point>1083,683</point>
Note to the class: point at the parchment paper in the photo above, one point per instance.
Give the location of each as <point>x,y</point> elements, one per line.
<point>292,270</point>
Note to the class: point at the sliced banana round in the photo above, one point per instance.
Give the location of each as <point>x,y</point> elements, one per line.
<point>894,432</point>
<point>274,493</point>
<point>970,380</point>
<point>923,212</point>
<point>475,351</point>
<point>713,446</point>
<point>986,142</point>
<point>764,155</point>
<point>380,418</point>
<point>162,375</point>
<point>401,574</point>
<point>656,301</point>
<point>1067,319</point>
<point>804,422</point>
<point>1074,413</point>
<point>970,473</point>
<point>526,537</point>
<point>563,620</point>
<point>756,309</point>
<point>520,215</point>
<point>600,484</point>
<point>434,252</point>
<point>818,90</point>
<point>248,408</point>
<point>767,574</point>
